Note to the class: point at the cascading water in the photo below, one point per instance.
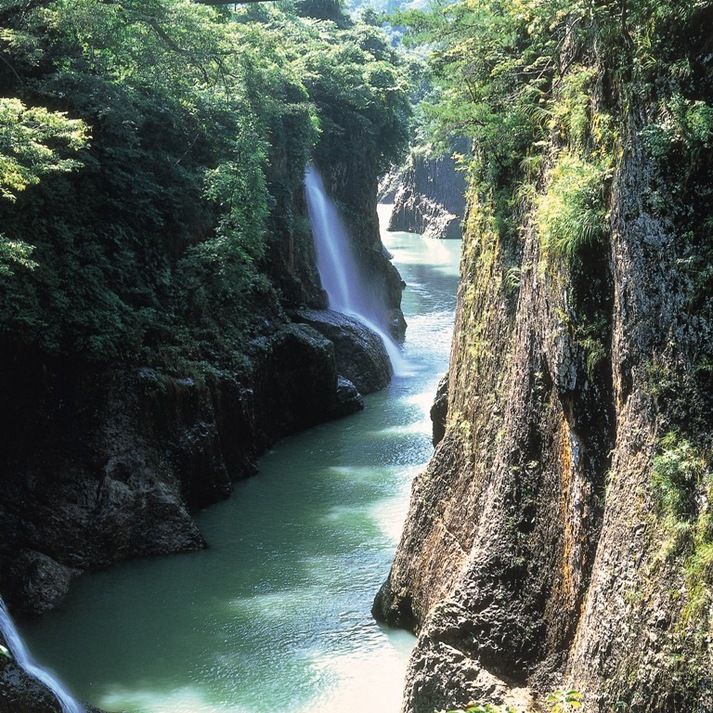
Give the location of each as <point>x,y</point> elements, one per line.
<point>338,270</point>
<point>23,659</point>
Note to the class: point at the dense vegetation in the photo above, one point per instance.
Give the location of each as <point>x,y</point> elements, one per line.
<point>552,94</point>
<point>151,168</point>
<point>533,84</point>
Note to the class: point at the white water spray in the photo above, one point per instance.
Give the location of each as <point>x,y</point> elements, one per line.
<point>338,269</point>
<point>23,659</point>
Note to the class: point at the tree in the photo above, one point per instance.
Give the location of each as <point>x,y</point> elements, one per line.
<point>33,142</point>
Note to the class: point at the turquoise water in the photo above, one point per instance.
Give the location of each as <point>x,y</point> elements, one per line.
<point>276,613</point>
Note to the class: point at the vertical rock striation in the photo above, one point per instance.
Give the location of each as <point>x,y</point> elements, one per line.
<point>561,535</point>
<point>430,198</point>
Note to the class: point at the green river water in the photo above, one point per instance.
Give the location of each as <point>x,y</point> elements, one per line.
<point>275,615</point>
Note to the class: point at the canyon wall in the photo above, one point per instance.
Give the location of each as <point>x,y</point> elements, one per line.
<point>430,197</point>
<point>561,536</point>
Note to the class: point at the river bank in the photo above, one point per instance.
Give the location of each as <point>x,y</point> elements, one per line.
<point>279,604</point>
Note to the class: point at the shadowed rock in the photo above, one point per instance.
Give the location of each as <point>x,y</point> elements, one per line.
<point>360,352</point>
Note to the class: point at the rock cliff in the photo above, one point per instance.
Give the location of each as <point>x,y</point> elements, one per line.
<point>103,465</point>
<point>430,198</point>
<point>560,537</point>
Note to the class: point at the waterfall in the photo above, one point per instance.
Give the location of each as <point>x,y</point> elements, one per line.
<point>23,659</point>
<point>338,270</point>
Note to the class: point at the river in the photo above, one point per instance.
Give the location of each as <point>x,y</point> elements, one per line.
<point>276,613</point>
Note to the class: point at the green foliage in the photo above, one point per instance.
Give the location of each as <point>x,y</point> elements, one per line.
<point>493,64</point>
<point>682,483</point>
<point>157,247</point>
<point>358,91</point>
<point>509,75</point>
<point>482,708</point>
<point>31,143</point>
<point>557,701</point>
<point>594,349</point>
<point>677,471</point>
<point>683,125</point>
<point>565,701</point>
<point>571,213</point>
<point>513,278</point>
<point>17,252</point>
<point>571,113</point>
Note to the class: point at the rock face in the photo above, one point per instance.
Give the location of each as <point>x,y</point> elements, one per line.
<point>121,459</point>
<point>22,693</point>
<point>554,540</point>
<point>430,198</point>
<point>439,411</point>
<point>360,352</point>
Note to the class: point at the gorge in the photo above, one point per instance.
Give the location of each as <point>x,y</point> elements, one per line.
<point>280,601</point>
<point>163,325</point>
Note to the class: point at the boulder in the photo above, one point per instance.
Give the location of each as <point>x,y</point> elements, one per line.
<point>38,580</point>
<point>21,693</point>
<point>349,399</point>
<point>360,353</point>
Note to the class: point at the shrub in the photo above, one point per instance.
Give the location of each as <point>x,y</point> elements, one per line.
<point>572,212</point>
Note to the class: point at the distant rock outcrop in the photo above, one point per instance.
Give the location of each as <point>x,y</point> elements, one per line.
<point>430,198</point>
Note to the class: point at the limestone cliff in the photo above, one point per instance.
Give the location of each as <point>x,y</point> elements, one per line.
<point>561,535</point>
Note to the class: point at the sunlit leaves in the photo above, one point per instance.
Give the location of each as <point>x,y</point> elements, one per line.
<point>239,187</point>
<point>571,212</point>
<point>151,42</point>
<point>565,701</point>
<point>34,141</point>
<point>17,252</point>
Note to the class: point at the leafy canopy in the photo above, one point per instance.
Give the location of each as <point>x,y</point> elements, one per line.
<point>159,244</point>
<point>33,142</point>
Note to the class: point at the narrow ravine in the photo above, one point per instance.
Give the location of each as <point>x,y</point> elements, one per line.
<point>277,611</point>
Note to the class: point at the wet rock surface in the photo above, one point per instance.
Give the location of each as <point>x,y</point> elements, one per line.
<point>359,351</point>
<point>21,693</point>
<point>439,411</point>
